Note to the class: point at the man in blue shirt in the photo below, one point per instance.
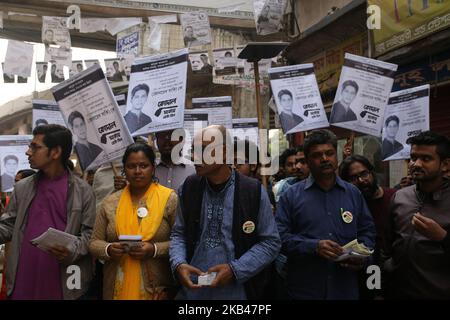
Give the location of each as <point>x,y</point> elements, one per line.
<point>224,224</point>
<point>315,218</point>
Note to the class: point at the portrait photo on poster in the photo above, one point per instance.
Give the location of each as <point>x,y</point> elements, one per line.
<point>86,151</point>
<point>135,118</point>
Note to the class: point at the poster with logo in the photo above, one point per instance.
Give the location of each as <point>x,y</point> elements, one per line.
<point>12,159</point>
<point>55,31</point>
<point>46,112</point>
<point>157,93</point>
<point>91,113</point>
<point>196,28</point>
<point>407,115</point>
<point>297,97</point>
<point>362,94</point>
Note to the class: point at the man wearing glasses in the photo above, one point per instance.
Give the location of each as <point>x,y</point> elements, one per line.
<point>55,198</point>
<point>359,171</point>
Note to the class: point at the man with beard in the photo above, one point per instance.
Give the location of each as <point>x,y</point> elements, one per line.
<point>359,171</point>
<point>315,218</point>
<point>418,240</point>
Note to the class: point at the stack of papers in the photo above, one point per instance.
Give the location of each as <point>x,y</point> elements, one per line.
<point>353,249</point>
<point>53,237</point>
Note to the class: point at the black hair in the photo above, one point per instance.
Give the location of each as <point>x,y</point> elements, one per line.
<point>344,167</point>
<point>429,138</point>
<point>26,173</point>
<point>141,86</point>
<point>300,149</point>
<point>40,122</point>
<point>115,62</point>
<point>286,154</point>
<point>10,157</point>
<point>392,118</point>
<point>350,83</point>
<point>316,137</point>
<point>56,136</point>
<point>73,116</point>
<point>136,147</point>
<point>283,92</point>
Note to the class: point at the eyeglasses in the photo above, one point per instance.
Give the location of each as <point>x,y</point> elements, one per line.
<point>363,175</point>
<point>35,147</point>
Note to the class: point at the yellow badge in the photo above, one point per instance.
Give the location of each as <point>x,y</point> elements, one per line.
<point>248,227</point>
<point>347,217</point>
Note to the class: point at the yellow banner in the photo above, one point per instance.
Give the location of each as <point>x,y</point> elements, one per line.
<point>404,21</point>
<point>328,64</point>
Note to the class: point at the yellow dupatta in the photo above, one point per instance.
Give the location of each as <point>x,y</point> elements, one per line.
<point>129,281</point>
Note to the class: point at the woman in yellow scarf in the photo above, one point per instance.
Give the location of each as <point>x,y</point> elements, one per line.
<point>144,209</point>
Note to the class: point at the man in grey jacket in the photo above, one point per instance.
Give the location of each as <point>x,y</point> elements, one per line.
<point>54,198</point>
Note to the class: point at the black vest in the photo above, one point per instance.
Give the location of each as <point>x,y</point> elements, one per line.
<point>247,198</point>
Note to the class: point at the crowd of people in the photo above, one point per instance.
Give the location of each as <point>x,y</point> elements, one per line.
<point>212,230</point>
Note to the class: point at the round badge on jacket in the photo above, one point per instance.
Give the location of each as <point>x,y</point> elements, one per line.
<point>142,212</point>
<point>248,227</point>
<point>347,216</point>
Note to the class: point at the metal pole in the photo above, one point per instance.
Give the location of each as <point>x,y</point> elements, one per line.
<point>259,111</point>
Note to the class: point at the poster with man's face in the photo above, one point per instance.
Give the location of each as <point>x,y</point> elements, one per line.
<point>12,159</point>
<point>41,71</point>
<point>114,71</point>
<point>407,115</point>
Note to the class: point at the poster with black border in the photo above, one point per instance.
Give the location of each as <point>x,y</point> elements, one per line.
<point>46,112</point>
<point>297,97</point>
<point>157,93</point>
<point>362,94</point>
<point>91,113</point>
<point>407,114</point>
<point>220,110</point>
<point>246,129</point>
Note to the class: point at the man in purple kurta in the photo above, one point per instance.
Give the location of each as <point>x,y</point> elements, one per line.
<point>54,198</point>
<point>48,209</point>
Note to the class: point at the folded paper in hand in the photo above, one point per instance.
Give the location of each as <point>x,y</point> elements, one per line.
<point>206,279</point>
<point>53,237</point>
<point>353,249</point>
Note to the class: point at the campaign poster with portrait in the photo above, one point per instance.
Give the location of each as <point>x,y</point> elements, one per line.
<point>297,97</point>
<point>55,31</point>
<point>75,68</point>
<point>7,77</point>
<point>196,28</point>
<point>127,49</point>
<point>157,93</point>
<point>12,158</point>
<point>200,62</point>
<point>268,15</point>
<point>41,71</point>
<point>114,70</point>
<point>18,59</point>
<point>46,112</point>
<point>246,129</point>
<point>91,113</point>
<point>362,94</point>
<point>220,110</point>
<point>407,114</point>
